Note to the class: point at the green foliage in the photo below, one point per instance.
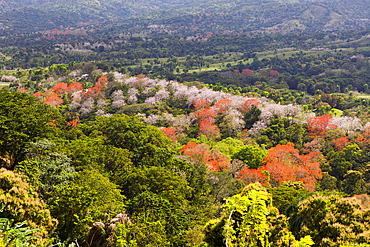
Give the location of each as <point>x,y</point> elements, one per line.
<point>229,146</point>
<point>90,197</point>
<point>19,202</point>
<point>354,183</point>
<point>251,155</point>
<point>169,198</point>
<point>16,234</point>
<point>158,180</point>
<point>156,217</point>
<point>22,120</point>
<point>350,158</point>
<point>332,220</point>
<point>148,145</point>
<point>287,195</point>
<point>93,153</point>
<point>252,224</point>
<point>121,237</point>
<point>249,219</point>
<point>45,169</point>
<point>282,131</point>
<point>251,116</point>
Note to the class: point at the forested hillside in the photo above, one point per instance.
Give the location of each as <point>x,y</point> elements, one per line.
<point>114,160</point>
<point>184,123</point>
<point>40,15</point>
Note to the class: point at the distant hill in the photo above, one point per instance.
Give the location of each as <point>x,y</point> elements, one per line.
<point>35,15</point>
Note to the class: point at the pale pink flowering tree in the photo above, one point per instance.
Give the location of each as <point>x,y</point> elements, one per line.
<point>348,124</point>
<point>132,95</point>
<point>87,106</point>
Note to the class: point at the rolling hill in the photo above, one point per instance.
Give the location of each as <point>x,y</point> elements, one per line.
<point>36,15</point>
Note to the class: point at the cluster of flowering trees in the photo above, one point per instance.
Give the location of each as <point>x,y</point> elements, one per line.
<point>220,143</point>
<point>185,112</point>
<point>284,163</point>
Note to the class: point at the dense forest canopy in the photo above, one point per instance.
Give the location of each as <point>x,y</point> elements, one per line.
<point>183,123</point>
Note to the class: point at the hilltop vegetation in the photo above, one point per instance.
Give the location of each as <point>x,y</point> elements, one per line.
<point>251,15</point>
<point>164,123</point>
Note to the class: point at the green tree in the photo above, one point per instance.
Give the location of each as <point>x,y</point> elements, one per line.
<point>19,202</point>
<point>148,145</point>
<point>90,197</point>
<point>45,169</point>
<point>332,220</point>
<point>16,234</point>
<point>288,194</point>
<point>354,183</point>
<point>150,210</point>
<point>92,153</point>
<point>23,120</point>
<point>229,146</point>
<point>252,156</point>
<point>249,219</point>
<point>251,116</point>
<point>158,180</point>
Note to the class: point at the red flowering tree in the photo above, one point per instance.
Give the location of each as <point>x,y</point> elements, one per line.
<point>60,88</point>
<point>206,120</point>
<point>223,105</point>
<point>200,104</point>
<point>170,133</point>
<point>318,126</point>
<point>38,94</point>
<point>209,129</point>
<point>73,123</point>
<point>202,154</point>
<point>274,73</point>
<point>340,143</point>
<point>249,176</point>
<point>93,92</point>
<point>102,81</point>
<point>248,104</point>
<point>247,72</point>
<point>284,163</point>
<point>75,87</point>
<point>53,100</point>
<point>218,162</point>
<point>207,114</point>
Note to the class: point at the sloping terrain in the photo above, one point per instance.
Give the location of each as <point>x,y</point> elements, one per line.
<point>35,15</point>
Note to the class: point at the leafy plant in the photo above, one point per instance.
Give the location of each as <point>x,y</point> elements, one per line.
<point>17,234</point>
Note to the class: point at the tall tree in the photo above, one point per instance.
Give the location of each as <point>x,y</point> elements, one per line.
<point>147,143</point>
<point>23,120</point>
<point>249,219</point>
<point>332,220</point>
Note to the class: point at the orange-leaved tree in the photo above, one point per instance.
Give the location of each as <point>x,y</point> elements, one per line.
<point>223,105</point>
<point>53,100</point>
<point>202,154</point>
<point>170,133</point>
<point>60,88</point>
<point>248,104</point>
<point>73,123</point>
<point>340,143</point>
<point>284,163</point>
<point>249,176</point>
<point>93,91</point>
<point>209,129</point>
<point>318,126</point>
<point>102,81</point>
<point>75,87</point>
